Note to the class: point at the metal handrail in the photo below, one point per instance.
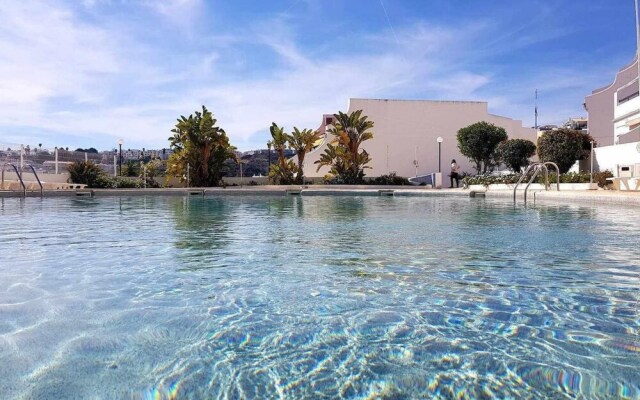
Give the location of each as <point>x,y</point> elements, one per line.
<point>539,167</point>
<point>557,174</point>
<point>37,179</point>
<point>524,175</point>
<point>24,188</point>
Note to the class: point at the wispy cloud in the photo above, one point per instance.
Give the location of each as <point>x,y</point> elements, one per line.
<point>99,77</point>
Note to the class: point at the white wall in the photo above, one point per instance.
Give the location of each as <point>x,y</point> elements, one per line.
<point>406,128</point>
<point>610,157</point>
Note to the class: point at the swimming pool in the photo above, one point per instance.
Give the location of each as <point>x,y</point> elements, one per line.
<point>317,297</point>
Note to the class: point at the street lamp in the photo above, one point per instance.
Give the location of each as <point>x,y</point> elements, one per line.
<point>439,140</point>
<point>591,159</point>
<point>120,143</point>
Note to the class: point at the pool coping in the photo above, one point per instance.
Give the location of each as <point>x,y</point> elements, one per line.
<point>272,190</point>
<point>580,196</point>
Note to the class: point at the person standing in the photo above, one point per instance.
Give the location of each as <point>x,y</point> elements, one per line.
<point>455,168</point>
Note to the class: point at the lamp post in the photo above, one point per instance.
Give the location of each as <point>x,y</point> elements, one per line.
<point>120,143</point>
<point>439,140</point>
<point>591,159</point>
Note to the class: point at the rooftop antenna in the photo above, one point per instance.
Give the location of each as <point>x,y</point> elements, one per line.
<point>536,110</point>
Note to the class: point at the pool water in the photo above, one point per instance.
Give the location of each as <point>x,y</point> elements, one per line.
<point>317,297</point>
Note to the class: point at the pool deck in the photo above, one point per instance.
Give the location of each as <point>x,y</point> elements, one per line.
<point>534,196</point>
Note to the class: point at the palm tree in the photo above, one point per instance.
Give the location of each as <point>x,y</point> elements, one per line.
<point>302,142</point>
<point>282,172</point>
<point>343,155</point>
<point>200,146</point>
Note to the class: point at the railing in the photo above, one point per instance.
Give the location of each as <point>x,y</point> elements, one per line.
<point>37,179</point>
<point>537,168</point>
<point>24,188</point>
<point>19,175</point>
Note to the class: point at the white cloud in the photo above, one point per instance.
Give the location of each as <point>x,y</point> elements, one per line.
<point>45,53</point>
<point>99,82</point>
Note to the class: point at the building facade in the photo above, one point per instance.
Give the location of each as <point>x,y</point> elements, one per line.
<point>614,110</point>
<point>405,135</point>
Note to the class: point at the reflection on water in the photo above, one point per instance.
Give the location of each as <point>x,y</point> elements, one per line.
<point>307,297</point>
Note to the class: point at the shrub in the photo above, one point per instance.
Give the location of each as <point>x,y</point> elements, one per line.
<point>390,179</point>
<point>487,180</point>
<point>120,182</point>
<point>103,182</point>
<point>86,173</point>
<point>601,178</point>
<point>564,147</point>
<point>573,177</point>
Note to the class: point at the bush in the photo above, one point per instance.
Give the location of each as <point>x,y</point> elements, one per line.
<point>601,178</point>
<point>390,179</point>
<point>103,182</point>
<point>86,173</point>
<point>120,182</point>
<point>564,147</point>
<point>487,180</point>
<point>573,177</point>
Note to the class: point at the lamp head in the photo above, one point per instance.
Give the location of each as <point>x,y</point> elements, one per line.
<point>120,142</point>
<point>439,139</point>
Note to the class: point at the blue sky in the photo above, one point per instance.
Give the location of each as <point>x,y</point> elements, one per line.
<point>85,73</point>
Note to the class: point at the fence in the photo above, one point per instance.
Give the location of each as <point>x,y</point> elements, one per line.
<point>53,161</point>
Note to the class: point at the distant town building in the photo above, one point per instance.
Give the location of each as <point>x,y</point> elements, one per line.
<point>406,131</point>
<point>614,110</point>
<point>578,124</point>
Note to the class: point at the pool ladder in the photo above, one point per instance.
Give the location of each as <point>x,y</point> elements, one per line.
<point>537,168</point>
<point>19,175</point>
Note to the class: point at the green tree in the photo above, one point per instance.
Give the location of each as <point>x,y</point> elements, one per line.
<point>564,147</point>
<point>282,172</point>
<point>478,142</point>
<point>302,141</point>
<point>201,147</point>
<point>343,155</point>
<point>515,153</point>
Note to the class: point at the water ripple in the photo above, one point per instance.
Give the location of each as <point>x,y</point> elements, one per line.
<point>328,297</point>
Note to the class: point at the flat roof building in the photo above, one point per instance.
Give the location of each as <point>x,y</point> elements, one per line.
<point>405,133</point>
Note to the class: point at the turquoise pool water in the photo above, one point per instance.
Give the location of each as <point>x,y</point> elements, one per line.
<point>317,297</point>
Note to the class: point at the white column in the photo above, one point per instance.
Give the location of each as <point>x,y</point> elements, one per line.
<point>56,163</point>
<point>115,166</point>
<point>21,157</point>
<point>86,157</point>
<point>438,182</point>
